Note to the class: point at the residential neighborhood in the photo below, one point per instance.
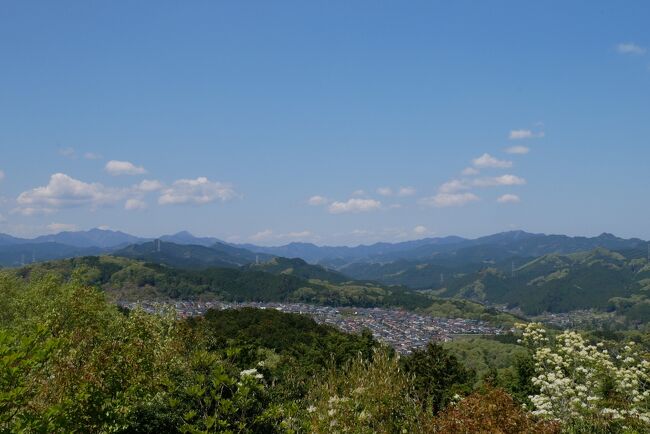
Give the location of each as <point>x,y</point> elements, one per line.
<point>401,329</point>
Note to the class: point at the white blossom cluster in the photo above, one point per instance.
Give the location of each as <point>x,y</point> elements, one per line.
<point>251,373</point>
<point>577,379</point>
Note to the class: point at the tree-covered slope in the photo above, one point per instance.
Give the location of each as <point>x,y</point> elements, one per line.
<point>133,279</point>
<point>559,283</point>
<point>299,268</point>
<point>189,255</point>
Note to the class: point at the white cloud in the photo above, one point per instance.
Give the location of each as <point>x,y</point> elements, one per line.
<point>406,191</point>
<point>148,185</point>
<point>487,160</point>
<point>453,186</point>
<point>92,156</point>
<point>469,171</point>
<point>63,191</point>
<point>525,134</point>
<point>297,235</point>
<point>268,235</point>
<point>401,192</point>
<point>135,204</point>
<point>358,193</point>
<point>420,230</point>
<point>354,206</point>
<point>197,191</point>
<point>262,235</point>
<point>32,211</point>
<point>520,150</point>
<point>630,48</point>
<point>116,168</point>
<point>317,200</point>
<point>508,198</point>
<point>448,192</point>
<point>67,152</point>
<point>497,181</point>
<point>442,200</point>
<point>61,227</point>
<point>385,191</point>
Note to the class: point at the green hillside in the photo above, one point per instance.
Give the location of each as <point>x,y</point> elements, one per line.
<point>131,279</point>
<point>299,268</point>
<point>189,255</point>
<point>598,279</point>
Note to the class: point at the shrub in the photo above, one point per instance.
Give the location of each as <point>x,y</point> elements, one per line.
<point>491,411</point>
<point>373,396</point>
<point>589,385</point>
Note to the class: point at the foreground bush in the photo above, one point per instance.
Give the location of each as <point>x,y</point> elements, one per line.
<point>590,388</point>
<point>437,376</point>
<point>492,411</point>
<point>373,396</point>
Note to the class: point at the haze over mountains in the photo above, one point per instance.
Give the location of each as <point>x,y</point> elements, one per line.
<point>450,249</point>
<point>532,272</point>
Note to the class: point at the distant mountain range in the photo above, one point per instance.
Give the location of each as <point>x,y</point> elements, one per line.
<point>446,251</point>
<point>532,272</point>
<point>191,255</point>
<point>505,244</point>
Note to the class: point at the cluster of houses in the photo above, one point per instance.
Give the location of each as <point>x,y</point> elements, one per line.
<point>403,330</point>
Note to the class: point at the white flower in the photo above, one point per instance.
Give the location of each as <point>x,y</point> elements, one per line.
<point>248,372</point>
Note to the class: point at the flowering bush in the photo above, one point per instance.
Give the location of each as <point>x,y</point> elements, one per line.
<point>579,381</point>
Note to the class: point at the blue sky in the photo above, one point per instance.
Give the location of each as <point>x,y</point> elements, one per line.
<point>335,122</point>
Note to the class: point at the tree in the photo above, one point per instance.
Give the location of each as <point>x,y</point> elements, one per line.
<point>437,376</point>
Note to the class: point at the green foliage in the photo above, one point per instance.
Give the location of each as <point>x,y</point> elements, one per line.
<point>188,255</point>
<point>367,396</point>
<point>21,359</point>
<point>214,401</point>
<point>129,279</point>
<point>458,308</point>
<point>299,268</point>
<point>485,356</point>
<point>437,376</point>
<point>70,361</point>
<point>558,283</point>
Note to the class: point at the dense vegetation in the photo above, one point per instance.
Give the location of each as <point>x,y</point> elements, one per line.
<point>70,361</point>
<point>598,279</point>
<point>530,273</point>
<point>129,279</point>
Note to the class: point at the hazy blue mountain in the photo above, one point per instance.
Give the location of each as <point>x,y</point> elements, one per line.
<point>190,255</point>
<point>26,253</point>
<point>451,250</point>
<point>8,240</point>
<point>184,237</point>
<point>102,238</point>
<point>527,244</point>
<point>313,253</point>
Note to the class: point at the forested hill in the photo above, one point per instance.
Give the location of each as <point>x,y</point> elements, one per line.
<point>132,279</point>
<point>599,279</point>
<point>190,255</point>
<point>129,279</point>
<point>300,268</point>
